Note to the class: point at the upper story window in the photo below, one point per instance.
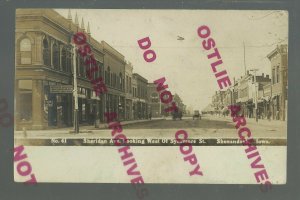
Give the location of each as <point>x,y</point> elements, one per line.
<point>56,56</point>
<point>277,74</point>
<point>64,59</point>
<point>108,76</point>
<point>273,76</point>
<point>25,50</point>
<point>46,53</point>
<point>120,81</point>
<point>69,61</point>
<point>25,45</point>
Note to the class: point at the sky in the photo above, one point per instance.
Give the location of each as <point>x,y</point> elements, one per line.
<point>184,63</point>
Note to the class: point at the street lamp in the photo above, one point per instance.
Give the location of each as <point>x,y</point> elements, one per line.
<point>256,108</point>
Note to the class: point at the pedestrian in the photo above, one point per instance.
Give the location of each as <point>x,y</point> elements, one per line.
<point>269,115</point>
<point>150,115</point>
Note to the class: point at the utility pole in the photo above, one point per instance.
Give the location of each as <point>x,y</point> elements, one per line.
<point>256,91</point>
<point>75,93</point>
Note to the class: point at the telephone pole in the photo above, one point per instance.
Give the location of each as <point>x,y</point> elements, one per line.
<point>75,93</point>
<point>256,91</point>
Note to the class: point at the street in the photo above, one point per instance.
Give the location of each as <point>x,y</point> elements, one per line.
<point>208,127</point>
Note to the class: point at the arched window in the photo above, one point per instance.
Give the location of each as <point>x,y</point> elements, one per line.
<point>56,56</point>
<point>120,81</point>
<point>154,97</point>
<point>25,51</point>
<point>81,67</point>
<point>69,61</point>
<point>25,45</point>
<point>46,52</point>
<point>108,74</point>
<point>77,64</point>
<point>64,59</point>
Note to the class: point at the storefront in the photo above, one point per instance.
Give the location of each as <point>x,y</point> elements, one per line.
<point>43,104</point>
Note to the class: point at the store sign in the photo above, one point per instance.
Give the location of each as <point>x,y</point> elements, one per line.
<point>61,88</point>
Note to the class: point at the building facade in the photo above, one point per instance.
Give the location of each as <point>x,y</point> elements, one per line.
<point>279,67</point>
<point>128,92</point>
<point>44,60</point>
<point>114,76</point>
<point>267,95</point>
<point>155,105</point>
<point>141,97</point>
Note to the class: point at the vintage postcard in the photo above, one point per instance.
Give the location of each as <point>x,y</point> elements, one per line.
<point>151,96</point>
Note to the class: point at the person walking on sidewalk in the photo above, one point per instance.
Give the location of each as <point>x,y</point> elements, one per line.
<point>269,115</point>
<point>150,115</point>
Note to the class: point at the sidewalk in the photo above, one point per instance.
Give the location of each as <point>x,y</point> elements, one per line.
<point>263,127</point>
<point>83,129</point>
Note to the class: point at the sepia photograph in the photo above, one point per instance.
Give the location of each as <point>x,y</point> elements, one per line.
<point>93,83</point>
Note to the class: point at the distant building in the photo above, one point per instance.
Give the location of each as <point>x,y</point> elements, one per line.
<point>249,89</point>
<point>128,92</point>
<point>134,98</point>
<point>155,105</point>
<point>142,99</point>
<point>218,100</point>
<point>114,66</point>
<point>279,67</point>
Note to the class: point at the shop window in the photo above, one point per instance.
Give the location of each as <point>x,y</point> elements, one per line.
<point>25,50</point>
<point>25,100</point>
<point>56,56</point>
<point>46,53</point>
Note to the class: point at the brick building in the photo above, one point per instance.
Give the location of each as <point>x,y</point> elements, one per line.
<point>141,107</point>
<point>44,60</point>
<point>128,92</point>
<point>155,105</point>
<point>279,67</point>
<point>114,75</point>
